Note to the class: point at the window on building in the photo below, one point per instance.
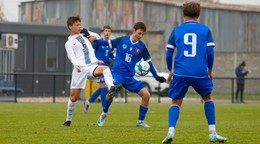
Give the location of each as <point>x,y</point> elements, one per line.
<point>21,53</point>
<point>51,61</point>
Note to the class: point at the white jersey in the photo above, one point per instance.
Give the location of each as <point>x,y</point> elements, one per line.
<point>80,51</point>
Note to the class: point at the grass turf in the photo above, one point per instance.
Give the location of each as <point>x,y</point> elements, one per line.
<point>40,123</point>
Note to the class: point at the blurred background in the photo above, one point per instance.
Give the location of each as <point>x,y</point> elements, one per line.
<point>33,34</point>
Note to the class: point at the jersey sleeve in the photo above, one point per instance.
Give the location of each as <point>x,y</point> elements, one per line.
<point>95,45</point>
<point>71,55</point>
<point>113,43</point>
<point>171,41</point>
<point>210,50</point>
<point>146,54</point>
<point>210,41</point>
<point>95,34</point>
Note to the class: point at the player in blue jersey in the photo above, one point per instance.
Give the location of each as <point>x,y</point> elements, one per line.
<point>103,53</point>
<point>193,65</point>
<point>130,50</point>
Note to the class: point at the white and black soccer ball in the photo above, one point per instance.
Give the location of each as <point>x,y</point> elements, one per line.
<point>142,68</point>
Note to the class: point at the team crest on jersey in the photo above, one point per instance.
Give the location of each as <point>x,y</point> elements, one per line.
<point>124,46</point>
<point>137,50</point>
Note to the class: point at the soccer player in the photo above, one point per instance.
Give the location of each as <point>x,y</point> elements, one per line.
<point>192,67</point>
<point>103,53</point>
<point>85,65</point>
<point>130,50</point>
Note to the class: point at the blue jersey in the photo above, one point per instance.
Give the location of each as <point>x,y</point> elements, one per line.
<point>128,54</point>
<point>103,53</point>
<point>191,39</point>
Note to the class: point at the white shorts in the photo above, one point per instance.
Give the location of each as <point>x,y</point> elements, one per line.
<point>78,79</point>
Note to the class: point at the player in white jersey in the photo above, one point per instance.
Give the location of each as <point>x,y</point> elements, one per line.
<point>85,65</point>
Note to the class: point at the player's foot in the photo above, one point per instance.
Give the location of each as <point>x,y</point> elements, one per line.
<point>142,124</point>
<point>66,123</point>
<point>114,89</point>
<point>101,119</point>
<point>217,138</point>
<point>168,139</point>
<point>116,99</point>
<point>86,106</point>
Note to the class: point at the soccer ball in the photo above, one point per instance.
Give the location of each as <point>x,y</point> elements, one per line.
<point>142,68</point>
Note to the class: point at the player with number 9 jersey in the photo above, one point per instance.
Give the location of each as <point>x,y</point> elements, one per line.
<point>192,47</point>
<point>193,66</point>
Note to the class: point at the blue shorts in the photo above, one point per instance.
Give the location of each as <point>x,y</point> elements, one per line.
<point>130,83</point>
<point>179,86</point>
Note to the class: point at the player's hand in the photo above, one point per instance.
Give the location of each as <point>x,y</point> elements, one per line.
<point>100,62</point>
<point>85,32</point>
<point>161,79</point>
<point>91,38</point>
<point>169,78</point>
<point>210,73</point>
<point>78,68</point>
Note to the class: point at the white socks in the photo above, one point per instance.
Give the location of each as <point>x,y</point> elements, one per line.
<point>70,110</point>
<point>108,78</point>
<point>171,129</point>
<point>212,129</point>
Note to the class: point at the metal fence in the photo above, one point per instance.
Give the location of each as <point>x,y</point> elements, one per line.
<point>57,85</point>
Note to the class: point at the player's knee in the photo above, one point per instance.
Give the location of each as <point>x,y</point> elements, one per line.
<point>73,98</point>
<point>146,96</point>
<point>104,67</point>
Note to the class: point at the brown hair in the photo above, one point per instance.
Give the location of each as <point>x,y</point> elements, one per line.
<point>72,19</point>
<point>140,25</point>
<point>191,9</point>
<point>106,27</point>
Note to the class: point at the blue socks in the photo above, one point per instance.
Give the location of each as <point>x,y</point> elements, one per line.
<point>142,112</point>
<point>106,105</point>
<point>209,110</point>
<point>173,115</point>
<point>94,95</point>
<point>103,94</point>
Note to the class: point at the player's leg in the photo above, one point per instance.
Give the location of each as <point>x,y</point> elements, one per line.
<point>138,87</point>
<point>143,108</point>
<point>177,90</point>
<point>91,99</point>
<point>204,87</point>
<point>78,82</point>
<point>108,79</point>
<point>103,93</point>
<point>74,95</point>
<point>108,101</point>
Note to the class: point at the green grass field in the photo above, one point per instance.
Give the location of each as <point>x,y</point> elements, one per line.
<point>40,123</point>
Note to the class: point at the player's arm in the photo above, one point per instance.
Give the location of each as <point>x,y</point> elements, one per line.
<point>111,43</point>
<point>90,35</point>
<point>148,59</point>
<point>169,55</point>
<point>210,53</point>
<point>71,55</point>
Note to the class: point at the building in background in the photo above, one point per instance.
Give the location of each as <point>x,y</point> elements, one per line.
<point>41,48</point>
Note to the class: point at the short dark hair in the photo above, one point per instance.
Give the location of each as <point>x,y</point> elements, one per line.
<point>140,25</point>
<point>106,27</point>
<point>72,19</point>
<point>191,9</point>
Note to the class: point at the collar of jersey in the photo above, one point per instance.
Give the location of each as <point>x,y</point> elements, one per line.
<point>191,21</point>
